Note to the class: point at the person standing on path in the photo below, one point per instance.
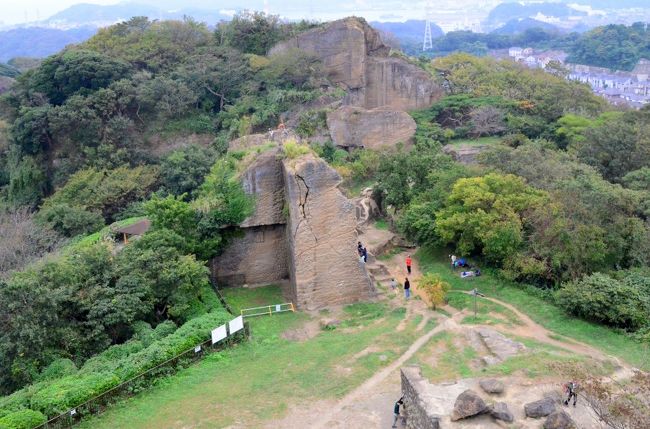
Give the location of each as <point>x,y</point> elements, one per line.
<point>399,402</point>
<point>407,288</point>
<point>409,261</point>
<point>393,284</point>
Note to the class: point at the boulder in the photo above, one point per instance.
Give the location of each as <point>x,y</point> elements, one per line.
<point>492,386</point>
<point>500,411</point>
<point>357,127</point>
<point>468,404</point>
<point>559,420</point>
<point>541,408</point>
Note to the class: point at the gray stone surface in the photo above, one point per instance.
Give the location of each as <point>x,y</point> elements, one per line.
<point>559,420</point>
<point>354,56</point>
<point>258,257</point>
<point>500,346</point>
<point>351,126</point>
<point>416,403</point>
<point>468,404</point>
<point>492,385</point>
<point>263,179</point>
<point>500,411</point>
<point>541,408</point>
<point>324,266</point>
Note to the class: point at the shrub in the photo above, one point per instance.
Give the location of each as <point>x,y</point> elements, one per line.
<point>57,369</point>
<point>293,150</point>
<point>604,299</point>
<point>70,221</point>
<point>23,419</point>
<point>435,288</point>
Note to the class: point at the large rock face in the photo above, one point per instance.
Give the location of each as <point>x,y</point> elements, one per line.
<point>541,408</point>
<point>263,178</point>
<point>559,420</point>
<point>354,56</point>
<point>357,127</point>
<point>321,233</point>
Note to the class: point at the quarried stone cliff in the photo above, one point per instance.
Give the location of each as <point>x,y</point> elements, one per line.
<point>356,127</point>
<point>302,233</point>
<point>321,233</point>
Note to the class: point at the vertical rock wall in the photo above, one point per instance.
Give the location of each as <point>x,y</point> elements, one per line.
<point>324,267</point>
<point>413,389</point>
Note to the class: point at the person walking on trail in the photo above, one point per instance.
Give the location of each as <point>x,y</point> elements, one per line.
<point>409,261</point>
<point>571,388</point>
<point>393,284</point>
<point>407,288</point>
<point>396,413</point>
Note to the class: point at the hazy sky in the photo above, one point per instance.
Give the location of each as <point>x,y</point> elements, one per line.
<point>13,11</point>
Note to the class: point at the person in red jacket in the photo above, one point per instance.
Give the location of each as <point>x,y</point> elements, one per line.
<point>409,261</point>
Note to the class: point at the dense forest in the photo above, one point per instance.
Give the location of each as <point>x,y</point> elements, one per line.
<point>560,205</point>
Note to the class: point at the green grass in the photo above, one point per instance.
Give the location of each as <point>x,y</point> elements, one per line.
<point>452,363</point>
<point>546,314</point>
<point>483,309</point>
<point>260,379</point>
<point>382,224</point>
<point>476,142</point>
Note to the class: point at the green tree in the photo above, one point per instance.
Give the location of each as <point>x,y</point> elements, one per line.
<point>487,214</point>
<point>183,171</point>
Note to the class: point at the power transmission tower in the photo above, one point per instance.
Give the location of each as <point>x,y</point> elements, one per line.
<point>428,38</point>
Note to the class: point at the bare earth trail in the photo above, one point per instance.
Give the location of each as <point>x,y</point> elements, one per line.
<point>370,404</point>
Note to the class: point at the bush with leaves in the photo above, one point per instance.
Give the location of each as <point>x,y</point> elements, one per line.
<point>23,419</point>
<point>434,288</point>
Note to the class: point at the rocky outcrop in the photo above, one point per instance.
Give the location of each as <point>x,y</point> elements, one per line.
<point>541,408</point>
<point>354,57</point>
<point>559,420</point>
<point>468,404</point>
<point>491,386</point>
<point>416,400</point>
<point>263,178</point>
<point>465,153</point>
<point>499,346</point>
<point>357,127</point>
<point>367,208</point>
<point>321,233</point>
<point>500,411</point>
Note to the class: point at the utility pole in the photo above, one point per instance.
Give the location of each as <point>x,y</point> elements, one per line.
<point>476,294</point>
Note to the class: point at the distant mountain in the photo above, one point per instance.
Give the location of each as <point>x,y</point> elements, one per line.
<point>516,26</point>
<point>506,12</point>
<point>408,31</point>
<point>100,16</point>
<point>39,42</point>
<point>8,71</point>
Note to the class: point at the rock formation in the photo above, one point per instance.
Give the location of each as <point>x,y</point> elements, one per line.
<point>322,236</point>
<point>541,408</point>
<point>468,404</point>
<point>303,230</point>
<point>500,411</point>
<point>356,127</point>
<point>465,153</point>
<point>491,386</point>
<point>417,401</point>
<point>381,86</point>
<point>559,420</point>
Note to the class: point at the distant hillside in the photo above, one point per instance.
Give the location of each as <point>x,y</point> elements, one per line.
<point>516,26</point>
<point>39,42</point>
<point>99,16</point>
<point>409,30</point>
<point>8,71</point>
<point>506,12</point>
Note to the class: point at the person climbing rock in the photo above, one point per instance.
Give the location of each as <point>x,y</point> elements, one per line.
<point>365,254</point>
<point>360,248</point>
<point>571,388</point>
<point>407,288</point>
<point>396,413</point>
<point>409,261</point>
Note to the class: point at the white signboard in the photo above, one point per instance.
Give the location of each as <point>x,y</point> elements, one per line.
<point>197,349</point>
<point>219,334</point>
<point>236,324</point>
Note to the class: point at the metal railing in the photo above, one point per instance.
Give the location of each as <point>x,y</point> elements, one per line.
<point>130,387</point>
<point>267,310</point>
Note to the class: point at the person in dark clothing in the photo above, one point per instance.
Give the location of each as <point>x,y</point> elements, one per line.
<point>365,254</point>
<point>396,413</point>
<point>407,288</point>
<point>360,248</point>
<point>571,387</point>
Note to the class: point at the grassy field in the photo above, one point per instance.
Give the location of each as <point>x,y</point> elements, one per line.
<point>258,380</point>
<point>546,314</point>
<point>488,141</point>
